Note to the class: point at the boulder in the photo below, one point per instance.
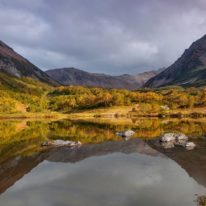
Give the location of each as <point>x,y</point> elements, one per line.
<point>168,137</point>
<point>181,137</point>
<point>178,137</point>
<point>169,140</point>
<point>180,142</point>
<point>167,145</point>
<point>127,133</point>
<point>59,143</point>
<point>190,145</point>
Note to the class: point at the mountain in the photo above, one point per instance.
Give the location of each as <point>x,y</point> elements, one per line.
<point>14,64</point>
<point>72,76</point>
<point>188,70</point>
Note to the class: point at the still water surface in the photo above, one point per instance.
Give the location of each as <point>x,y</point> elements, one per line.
<point>106,170</point>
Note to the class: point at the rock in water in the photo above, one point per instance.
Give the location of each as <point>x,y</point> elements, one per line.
<point>127,133</point>
<point>167,145</point>
<point>180,142</point>
<point>190,145</point>
<point>169,140</point>
<point>173,137</point>
<point>180,137</point>
<point>59,143</point>
<point>168,137</point>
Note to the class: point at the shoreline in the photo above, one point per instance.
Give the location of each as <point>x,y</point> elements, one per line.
<point>110,112</point>
<point>49,115</point>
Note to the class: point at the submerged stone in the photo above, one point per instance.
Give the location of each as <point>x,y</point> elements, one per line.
<point>190,145</point>
<point>173,137</point>
<point>168,137</point>
<point>181,137</point>
<point>167,145</point>
<point>170,140</point>
<point>60,143</point>
<point>127,133</point>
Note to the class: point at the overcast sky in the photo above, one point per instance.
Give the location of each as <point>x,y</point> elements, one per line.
<point>110,36</point>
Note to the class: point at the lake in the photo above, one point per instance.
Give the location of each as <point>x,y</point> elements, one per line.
<point>106,169</point>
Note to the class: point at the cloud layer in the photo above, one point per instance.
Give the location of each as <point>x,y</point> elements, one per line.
<point>113,36</point>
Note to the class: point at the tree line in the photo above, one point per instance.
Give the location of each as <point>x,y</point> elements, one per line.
<point>31,96</point>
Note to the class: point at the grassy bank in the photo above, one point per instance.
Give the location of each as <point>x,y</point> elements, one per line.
<point>127,111</point>
<point>29,115</point>
<point>109,112</point>
<point>103,112</point>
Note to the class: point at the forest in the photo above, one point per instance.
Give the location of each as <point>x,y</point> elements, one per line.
<point>30,96</point>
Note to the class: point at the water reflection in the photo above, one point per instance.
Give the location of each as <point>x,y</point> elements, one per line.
<point>117,179</point>
<point>24,137</point>
<point>15,168</point>
<point>20,153</point>
<point>191,161</point>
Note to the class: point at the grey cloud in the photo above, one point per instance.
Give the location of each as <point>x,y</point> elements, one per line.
<point>113,36</point>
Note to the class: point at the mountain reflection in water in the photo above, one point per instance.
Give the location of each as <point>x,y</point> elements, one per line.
<point>20,153</point>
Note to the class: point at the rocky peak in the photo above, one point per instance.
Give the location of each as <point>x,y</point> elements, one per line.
<point>188,70</point>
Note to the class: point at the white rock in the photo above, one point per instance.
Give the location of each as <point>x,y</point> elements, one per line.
<point>180,142</point>
<point>174,137</point>
<point>79,143</point>
<point>167,145</point>
<point>180,137</point>
<point>61,143</point>
<point>190,145</point>
<point>126,133</point>
<point>168,137</point>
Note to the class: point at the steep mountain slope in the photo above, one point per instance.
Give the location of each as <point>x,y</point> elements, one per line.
<point>72,76</point>
<point>14,64</point>
<point>27,85</point>
<point>21,94</point>
<point>188,70</point>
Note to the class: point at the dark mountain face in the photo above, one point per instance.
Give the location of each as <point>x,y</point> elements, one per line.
<point>72,76</point>
<point>188,70</point>
<point>14,64</point>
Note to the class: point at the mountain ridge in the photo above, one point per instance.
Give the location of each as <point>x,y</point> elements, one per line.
<point>73,76</point>
<point>16,65</point>
<point>188,70</point>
